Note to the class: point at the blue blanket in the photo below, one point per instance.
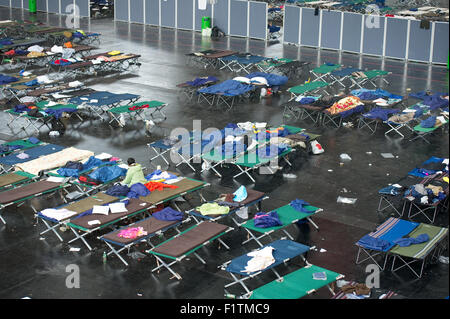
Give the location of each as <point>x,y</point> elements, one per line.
<point>272,79</point>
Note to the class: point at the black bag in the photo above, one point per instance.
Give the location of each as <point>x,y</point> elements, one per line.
<point>217,33</point>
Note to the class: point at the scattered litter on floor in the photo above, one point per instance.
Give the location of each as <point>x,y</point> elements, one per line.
<point>345,200</point>
<point>136,255</point>
<point>26,298</point>
<point>74,249</point>
<point>370,164</point>
<point>323,250</point>
<point>41,238</point>
<point>53,134</point>
<point>344,190</point>
<point>330,170</point>
<point>443,259</point>
<point>347,124</point>
<point>139,295</point>
<point>345,157</point>
<point>369,153</point>
<point>387,155</point>
<point>290,176</point>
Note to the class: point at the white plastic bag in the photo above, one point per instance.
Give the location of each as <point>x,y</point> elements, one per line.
<point>316,148</point>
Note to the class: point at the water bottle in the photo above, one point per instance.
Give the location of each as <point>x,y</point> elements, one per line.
<point>104,257</point>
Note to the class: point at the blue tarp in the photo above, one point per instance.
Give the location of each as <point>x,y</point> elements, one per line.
<point>108,173</point>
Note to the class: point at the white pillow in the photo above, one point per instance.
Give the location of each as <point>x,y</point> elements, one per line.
<point>259,79</point>
<point>242,79</point>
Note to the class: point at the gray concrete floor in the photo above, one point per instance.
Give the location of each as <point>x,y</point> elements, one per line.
<point>35,267</point>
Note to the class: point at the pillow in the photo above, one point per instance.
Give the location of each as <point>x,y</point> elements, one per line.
<point>242,79</point>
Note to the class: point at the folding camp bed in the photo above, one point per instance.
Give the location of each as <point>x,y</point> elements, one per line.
<point>152,226</point>
<point>423,133</point>
<point>24,61</point>
<point>186,243</point>
<point>86,223</point>
<point>283,251</point>
<point>8,163</point>
<point>391,197</point>
<point>76,37</point>
<point>22,43</point>
<point>308,88</point>
<point>428,210</point>
<point>14,179</point>
<point>423,252</point>
<point>9,91</point>
<point>360,79</point>
<point>226,93</point>
<point>337,116</point>
<point>46,115</point>
<point>183,187</point>
<point>342,75</point>
<point>254,198</point>
<point>288,215</point>
<point>137,110</point>
<point>18,145</point>
<point>253,160</point>
<point>51,161</point>
<point>54,221</point>
<point>66,90</point>
<point>100,102</point>
<point>217,156</point>
<point>275,14</point>
<point>240,62</point>
<point>208,58</point>
<point>372,119</point>
<point>166,146</point>
<point>112,63</point>
<point>403,120</point>
<point>322,73</point>
<point>381,241</point>
<point>19,195</point>
<point>435,100</point>
<point>189,88</point>
<point>297,284</point>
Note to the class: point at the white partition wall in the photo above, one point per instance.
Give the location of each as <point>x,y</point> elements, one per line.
<point>389,37</point>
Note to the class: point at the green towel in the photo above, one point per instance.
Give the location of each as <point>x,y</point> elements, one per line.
<point>213,209</point>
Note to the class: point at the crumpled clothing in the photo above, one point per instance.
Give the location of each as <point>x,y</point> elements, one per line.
<point>262,259</point>
<point>380,113</point>
<point>118,191</point>
<point>108,173</point>
<point>67,53</point>
<point>22,156</point>
<point>402,118</point>
<point>62,62</point>
<point>370,242</point>
<point>56,49</point>
<point>406,242</point>
<point>435,189</point>
<point>213,209</point>
<point>299,205</point>
<point>430,122</point>
<point>358,289</point>
<point>35,48</point>
<point>266,220</point>
<point>159,175</point>
<point>271,151</point>
<point>137,190</point>
<point>5,79</point>
<point>157,186</point>
<point>131,233</point>
<point>168,214</point>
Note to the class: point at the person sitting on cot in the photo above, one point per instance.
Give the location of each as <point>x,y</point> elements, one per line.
<point>135,174</point>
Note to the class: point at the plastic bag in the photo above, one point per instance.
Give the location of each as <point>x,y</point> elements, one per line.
<point>316,148</point>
